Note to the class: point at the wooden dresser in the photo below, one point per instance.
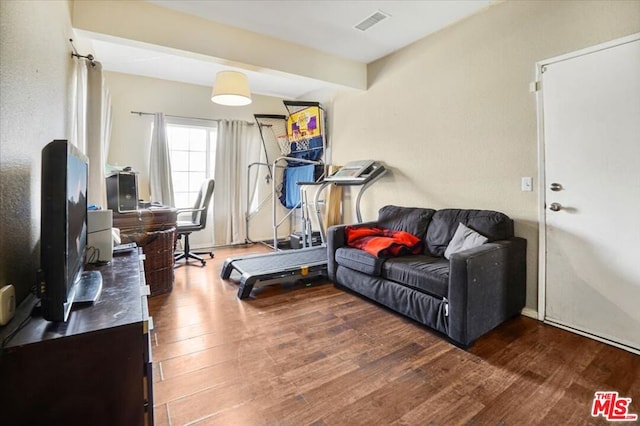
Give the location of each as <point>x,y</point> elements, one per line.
<point>95,369</point>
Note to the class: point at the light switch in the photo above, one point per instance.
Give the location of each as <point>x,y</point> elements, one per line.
<point>527,184</point>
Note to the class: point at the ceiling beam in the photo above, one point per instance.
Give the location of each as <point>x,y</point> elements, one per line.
<point>145,22</point>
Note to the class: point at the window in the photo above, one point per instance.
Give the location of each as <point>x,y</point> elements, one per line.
<point>192,149</point>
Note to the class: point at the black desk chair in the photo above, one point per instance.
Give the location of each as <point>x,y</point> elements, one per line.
<point>198,221</point>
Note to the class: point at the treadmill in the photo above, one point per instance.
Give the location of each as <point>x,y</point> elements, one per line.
<point>309,262</point>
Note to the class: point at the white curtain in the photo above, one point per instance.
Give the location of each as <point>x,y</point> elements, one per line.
<point>79,136</point>
<point>106,125</point>
<point>237,146</point>
<point>160,182</point>
<point>92,125</point>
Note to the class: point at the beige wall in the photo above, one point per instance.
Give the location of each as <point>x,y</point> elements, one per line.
<point>35,104</point>
<point>131,133</point>
<point>452,116</point>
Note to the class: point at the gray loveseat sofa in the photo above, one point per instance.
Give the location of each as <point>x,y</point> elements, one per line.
<point>462,297</point>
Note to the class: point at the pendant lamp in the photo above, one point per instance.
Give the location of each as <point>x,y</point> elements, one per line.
<point>231,88</point>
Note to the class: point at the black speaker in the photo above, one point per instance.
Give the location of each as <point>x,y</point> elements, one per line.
<point>122,191</point>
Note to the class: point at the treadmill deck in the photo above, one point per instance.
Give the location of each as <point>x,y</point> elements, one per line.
<point>291,264</point>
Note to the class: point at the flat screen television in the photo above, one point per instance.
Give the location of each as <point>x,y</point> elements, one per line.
<point>63,232</point>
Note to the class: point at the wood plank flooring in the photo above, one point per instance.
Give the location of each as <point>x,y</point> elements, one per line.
<point>315,355</point>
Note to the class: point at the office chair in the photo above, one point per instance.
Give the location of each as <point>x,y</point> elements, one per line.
<point>198,221</point>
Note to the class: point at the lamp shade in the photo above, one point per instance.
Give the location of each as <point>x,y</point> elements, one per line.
<point>231,88</point>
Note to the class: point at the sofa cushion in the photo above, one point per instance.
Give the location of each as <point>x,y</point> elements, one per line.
<point>359,260</point>
<point>444,223</point>
<point>425,273</point>
<point>464,239</point>
<point>413,220</point>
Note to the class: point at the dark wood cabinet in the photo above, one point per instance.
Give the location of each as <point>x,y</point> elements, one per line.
<point>95,369</point>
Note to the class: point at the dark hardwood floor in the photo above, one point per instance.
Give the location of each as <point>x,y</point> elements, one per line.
<point>313,354</point>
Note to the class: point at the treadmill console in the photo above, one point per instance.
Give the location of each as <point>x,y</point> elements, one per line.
<point>357,172</point>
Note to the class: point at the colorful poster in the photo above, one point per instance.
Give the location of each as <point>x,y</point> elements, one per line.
<point>304,124</point>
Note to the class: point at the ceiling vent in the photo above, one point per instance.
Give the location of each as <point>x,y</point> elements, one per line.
<point>372,20</point>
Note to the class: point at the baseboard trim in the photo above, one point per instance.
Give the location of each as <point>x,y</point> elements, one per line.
<point>593,336</point>
<point>531,313</point>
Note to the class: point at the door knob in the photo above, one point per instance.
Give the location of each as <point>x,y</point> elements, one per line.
<point>555,207</point>
<point>555,187</point>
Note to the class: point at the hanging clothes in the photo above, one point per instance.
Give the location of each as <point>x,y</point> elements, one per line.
<point>290,196</point>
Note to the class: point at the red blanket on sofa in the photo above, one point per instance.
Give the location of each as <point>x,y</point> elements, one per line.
<point>383,242</point>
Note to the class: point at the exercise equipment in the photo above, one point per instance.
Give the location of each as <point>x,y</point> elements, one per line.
<point>298,141</point>
<point>268,268</point>
<point>308,262</point>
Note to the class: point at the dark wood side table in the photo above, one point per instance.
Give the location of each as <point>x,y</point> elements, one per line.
<point>95,369</point>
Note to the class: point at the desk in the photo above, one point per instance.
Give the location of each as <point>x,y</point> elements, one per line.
<point>152,229</point>
<point>145,220</point>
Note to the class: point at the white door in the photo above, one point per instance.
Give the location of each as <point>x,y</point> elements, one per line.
<point>591,136</point>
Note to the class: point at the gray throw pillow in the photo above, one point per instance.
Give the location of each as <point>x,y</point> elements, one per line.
<point>464,239</point>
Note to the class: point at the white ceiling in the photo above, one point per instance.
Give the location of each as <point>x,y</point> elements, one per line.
<point>154,61</point>
<point>322,25</point>
<point>328,25</point>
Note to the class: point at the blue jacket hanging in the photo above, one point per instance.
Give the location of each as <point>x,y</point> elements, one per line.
<point>290,196</point>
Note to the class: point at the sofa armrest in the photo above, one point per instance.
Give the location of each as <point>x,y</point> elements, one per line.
<point>336,239</point>
<point>487,285</point>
